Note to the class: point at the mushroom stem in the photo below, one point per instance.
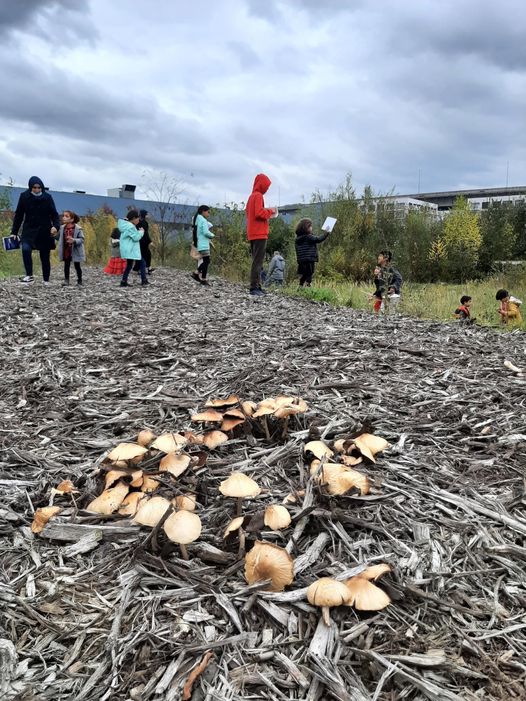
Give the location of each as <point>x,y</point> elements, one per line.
<point>265,426</point>
<point>241,550</point>
<point>184,551</point>
<point>285,427</point>
<point>239,506</point>
<point>325,615</point>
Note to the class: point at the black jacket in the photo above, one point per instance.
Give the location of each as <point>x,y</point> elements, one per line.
<point>306,247</point>
<point>36,216</point>
<point>389,278</point>
<point>145,240</point>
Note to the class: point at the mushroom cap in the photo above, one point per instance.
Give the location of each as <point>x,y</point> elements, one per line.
<point>110,499</point>
<point>126,451</point>
<point>130,503</point>
<point>149,484</point>
<point>276,517</point>
<point>174,463</point>
<point>249,407</point>
<point>288,406</point>
<point>113,476</point>
<point>318,449</point>
<point>182,527</point>
<point>151,511</point>
<point>193,438</point>
<point>42,516</point>
<point>264,410</point>
<point>375,571</point>
<point>208,415</point>
<point>186,502</point>
<point>231,422</point>
<point>364,449</point>
<point>234,525</point>
<point>65,487</point>
<point>239,485</point>
<point>213,439</point>
<point>366,596</point>
<point>350,460</point>
<point>327,592</point>
<point>229,401</point>
<point>293,497</point>
<point>145,437</point>
<point>267,561</point>
<point>169,442</point>
<point>330,470</point>
<point>234,413</point>
<point>342,483</point>
<point>376,444</point>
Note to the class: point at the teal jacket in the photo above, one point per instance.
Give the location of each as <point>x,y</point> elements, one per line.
<point>203,234</point>
<point>129,241</point>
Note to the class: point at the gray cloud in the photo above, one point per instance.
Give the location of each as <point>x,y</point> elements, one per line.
<point>42,18</point>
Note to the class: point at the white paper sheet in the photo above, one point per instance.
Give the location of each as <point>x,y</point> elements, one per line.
<point>328,224</point>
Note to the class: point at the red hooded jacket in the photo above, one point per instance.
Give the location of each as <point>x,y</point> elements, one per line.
<point>256,215</point>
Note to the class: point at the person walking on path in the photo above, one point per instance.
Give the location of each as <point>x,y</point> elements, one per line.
<point>130,247</point>
<point>276,270</point>
<point>37,215</point>
<point>145,242</point>
<point>71,245</point>
<point>201,236</point>
<point>307,250</point>
<point>257,229</point>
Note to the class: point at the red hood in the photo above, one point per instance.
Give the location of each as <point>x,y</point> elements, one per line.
<point>261,183</point>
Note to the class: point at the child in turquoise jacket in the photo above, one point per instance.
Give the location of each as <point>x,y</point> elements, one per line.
<point>130,246</point>
<point>201,236</point>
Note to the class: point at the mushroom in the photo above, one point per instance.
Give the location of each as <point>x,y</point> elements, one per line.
<point>169,442</point>
<point>113,476</point>
<point>174,463</point>
<point>229,401</point>
<point>293,497</point>
<point>319,449</point>
<point>329,471</point>
<point>249,407</point>
<point>186,502</point>
<point>376,444</point>
<point>213,439</point>
<point>231,422</point>
<point>375,571</point>
<point>267,561</point>
<point>110,500</point>
<point>350,460</point>
<point>126,451</point>
<point>42,516</point>
<point>130,503</point>
<point>234,525</point>
<point>327,592</point>
<point>366,596</point>
<point>151,511</point>
<point>65,487</point>
<point>210,415</point>
<point>183,527</point>
<point>149,484</point>
<point>241,487</point>
<point>346,480</point>
<point>145,437</point>
<point>276,517</point>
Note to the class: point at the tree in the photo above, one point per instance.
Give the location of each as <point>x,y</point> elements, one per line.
<point>164,190</point>
<point>498,235</point>
<point>462,240</point>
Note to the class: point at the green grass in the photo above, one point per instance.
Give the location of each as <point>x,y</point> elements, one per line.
<point>435,301</point>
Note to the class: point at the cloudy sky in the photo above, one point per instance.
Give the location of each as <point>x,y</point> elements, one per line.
<point>96,92</point>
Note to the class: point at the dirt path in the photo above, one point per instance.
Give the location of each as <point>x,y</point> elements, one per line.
<point>118,616</point>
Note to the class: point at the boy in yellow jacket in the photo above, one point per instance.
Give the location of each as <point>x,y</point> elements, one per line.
<point>509,308</point>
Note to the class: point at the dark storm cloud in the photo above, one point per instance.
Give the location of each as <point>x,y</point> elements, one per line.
<point>42,18</point>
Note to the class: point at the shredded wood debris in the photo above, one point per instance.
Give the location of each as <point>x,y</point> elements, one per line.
<point>95,606</point>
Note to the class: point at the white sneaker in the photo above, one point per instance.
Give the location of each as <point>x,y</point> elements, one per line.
<point>27,279</point>
<point>46,283</point>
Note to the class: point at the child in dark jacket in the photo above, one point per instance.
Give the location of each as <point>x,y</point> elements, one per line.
<point>307,250</point>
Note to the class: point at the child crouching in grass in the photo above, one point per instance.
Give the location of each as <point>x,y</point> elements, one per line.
<point>463,311</point>
<point>508,310</point>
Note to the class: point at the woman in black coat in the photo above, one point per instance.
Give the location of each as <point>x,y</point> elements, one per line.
<point>307,250</point>
<point>37,215</point>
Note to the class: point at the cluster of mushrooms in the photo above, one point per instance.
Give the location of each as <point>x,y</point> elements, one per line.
<point>134,471</point>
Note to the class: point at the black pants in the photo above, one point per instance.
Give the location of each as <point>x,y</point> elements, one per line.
<point>129,265</point>
<point>67,266</point>
<point>27,257</point>
<point>258,249</point>
<point>202,268</point>
<point>306,271</point>
<point>147,257</point>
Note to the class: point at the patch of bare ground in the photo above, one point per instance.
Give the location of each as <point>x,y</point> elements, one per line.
<point>95,607</point>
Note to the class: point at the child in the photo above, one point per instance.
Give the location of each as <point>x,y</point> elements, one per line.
<point>306,250</point>
<point>276,270</point>
<point>130,247</point>
<point>71,245</point>
<point>201,236</point>
<point>116,264</point>
<point>387,281</point>
<point>463,311</point>
<point>508,308</point>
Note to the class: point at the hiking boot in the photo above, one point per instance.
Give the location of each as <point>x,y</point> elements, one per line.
<point>27,280</point>
<point>144,283</point>
<point>124,284</point>
<point>196,277</point>
<point>204,282</point>
<point>257,293</point>
<point>150,270</point>
<point>65,283</point>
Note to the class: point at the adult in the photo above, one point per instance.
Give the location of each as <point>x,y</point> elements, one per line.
<point>130,247</point>
<point>201,236</point>
<point>257,229</point>
<point>276,270</point>
<point>37,215</point>
<point>145,242</point>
